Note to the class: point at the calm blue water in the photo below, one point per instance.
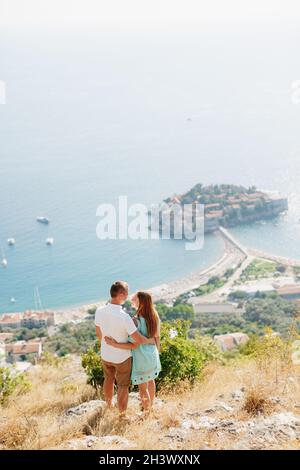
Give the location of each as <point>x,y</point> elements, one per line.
<point>92,115</point>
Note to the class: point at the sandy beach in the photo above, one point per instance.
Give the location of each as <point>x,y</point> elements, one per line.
<point>233,255</point>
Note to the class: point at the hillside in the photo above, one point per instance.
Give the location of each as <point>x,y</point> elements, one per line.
<point>243,404</point>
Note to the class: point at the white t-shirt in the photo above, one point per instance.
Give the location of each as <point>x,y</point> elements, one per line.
<point>114,322</point>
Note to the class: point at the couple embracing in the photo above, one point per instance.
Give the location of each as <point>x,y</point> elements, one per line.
<point>129,347</point>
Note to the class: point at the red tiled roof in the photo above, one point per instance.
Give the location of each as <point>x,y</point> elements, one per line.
<point>7,318</point>
<point>23,347</point>
<point>289,290</point>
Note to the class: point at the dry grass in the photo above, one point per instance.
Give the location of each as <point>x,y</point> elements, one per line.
<point>34,420</point>
<point>257,402</point>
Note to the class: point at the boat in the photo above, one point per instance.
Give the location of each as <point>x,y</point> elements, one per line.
<point>3,261</point>
<point>11,241</point>
<point>43,220</point>
<point>13,300</point>
<point>49,241</point>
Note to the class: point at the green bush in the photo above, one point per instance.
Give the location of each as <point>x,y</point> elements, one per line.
<point>182,359</point>
<point>271,312</point>
<point>91,362</point>
<point>12,384</point>
<point>72,339</point>
<point>238,295</point>
<point>179,311</point>
<point>92,311</point>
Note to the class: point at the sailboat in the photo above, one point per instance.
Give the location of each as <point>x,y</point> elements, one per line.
<point>4,262</point>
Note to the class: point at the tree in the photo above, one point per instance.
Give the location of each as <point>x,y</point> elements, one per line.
<point>179,311</point>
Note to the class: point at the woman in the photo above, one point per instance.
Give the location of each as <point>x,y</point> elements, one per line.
<point>145,357</point>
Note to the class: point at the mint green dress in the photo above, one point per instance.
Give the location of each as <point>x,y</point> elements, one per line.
<point>145,358</point>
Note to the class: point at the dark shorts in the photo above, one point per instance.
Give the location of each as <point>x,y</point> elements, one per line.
<point>121,373</point>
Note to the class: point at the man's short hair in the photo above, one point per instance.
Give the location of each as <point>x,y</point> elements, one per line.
<point>118,287</point>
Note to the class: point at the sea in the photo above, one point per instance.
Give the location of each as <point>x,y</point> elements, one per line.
<point>92,114</point>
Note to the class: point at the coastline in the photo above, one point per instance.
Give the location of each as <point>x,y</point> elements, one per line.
<point>234,255</point>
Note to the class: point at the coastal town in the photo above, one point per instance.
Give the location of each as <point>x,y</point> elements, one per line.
<point>236,269</point>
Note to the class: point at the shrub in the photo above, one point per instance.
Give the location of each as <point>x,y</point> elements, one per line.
<point>49,359</point>
<point>92,311</point>
<point>182,359</point>
<point>270,352</point>
<point>257,402</point>
<point>238,295</point>
<point>72,339</point>
<point>179,311</point>
<point>91,362</point>
<point>271,312</point>
<point>12,384</point>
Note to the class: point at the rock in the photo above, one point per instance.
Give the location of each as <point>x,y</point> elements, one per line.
<point>135,397</point>
<point>224,406</point>
<point>87,414</point>
<point>275,400</point>
<point>90,442</point>
<point>194,413</point>
<point>219,406</point>
<point>237,395</point>
<point>190,424</point>
<point>280,426</point>
<point>116,440</point>
<point>86,408</point>
<point>210,410</point>
<point>177,433</point>
<point>207,422</point>
<point>81,443</point>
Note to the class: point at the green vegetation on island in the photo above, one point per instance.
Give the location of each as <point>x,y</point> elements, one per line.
<point>229,205</point>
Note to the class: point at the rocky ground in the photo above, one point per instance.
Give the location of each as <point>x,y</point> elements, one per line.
<point>235,406</point>
<point>218,426</point>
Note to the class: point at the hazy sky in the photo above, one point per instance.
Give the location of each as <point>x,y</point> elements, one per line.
<point>143,13</point>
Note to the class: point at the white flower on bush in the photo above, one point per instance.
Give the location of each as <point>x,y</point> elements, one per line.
<point>173,334</point>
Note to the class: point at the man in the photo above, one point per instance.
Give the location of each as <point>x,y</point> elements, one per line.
<point>113,321</point>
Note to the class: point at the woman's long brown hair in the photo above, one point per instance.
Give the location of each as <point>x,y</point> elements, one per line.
<point>147,310</point>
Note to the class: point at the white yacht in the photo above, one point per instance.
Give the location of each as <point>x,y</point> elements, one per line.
<point>11,241</point>
<point>49,241</point>
<point>43,220</point>
<point>13,300</point>
<point>4,263</point>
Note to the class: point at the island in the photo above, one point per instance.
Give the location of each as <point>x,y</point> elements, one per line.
<point>229,205</point>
